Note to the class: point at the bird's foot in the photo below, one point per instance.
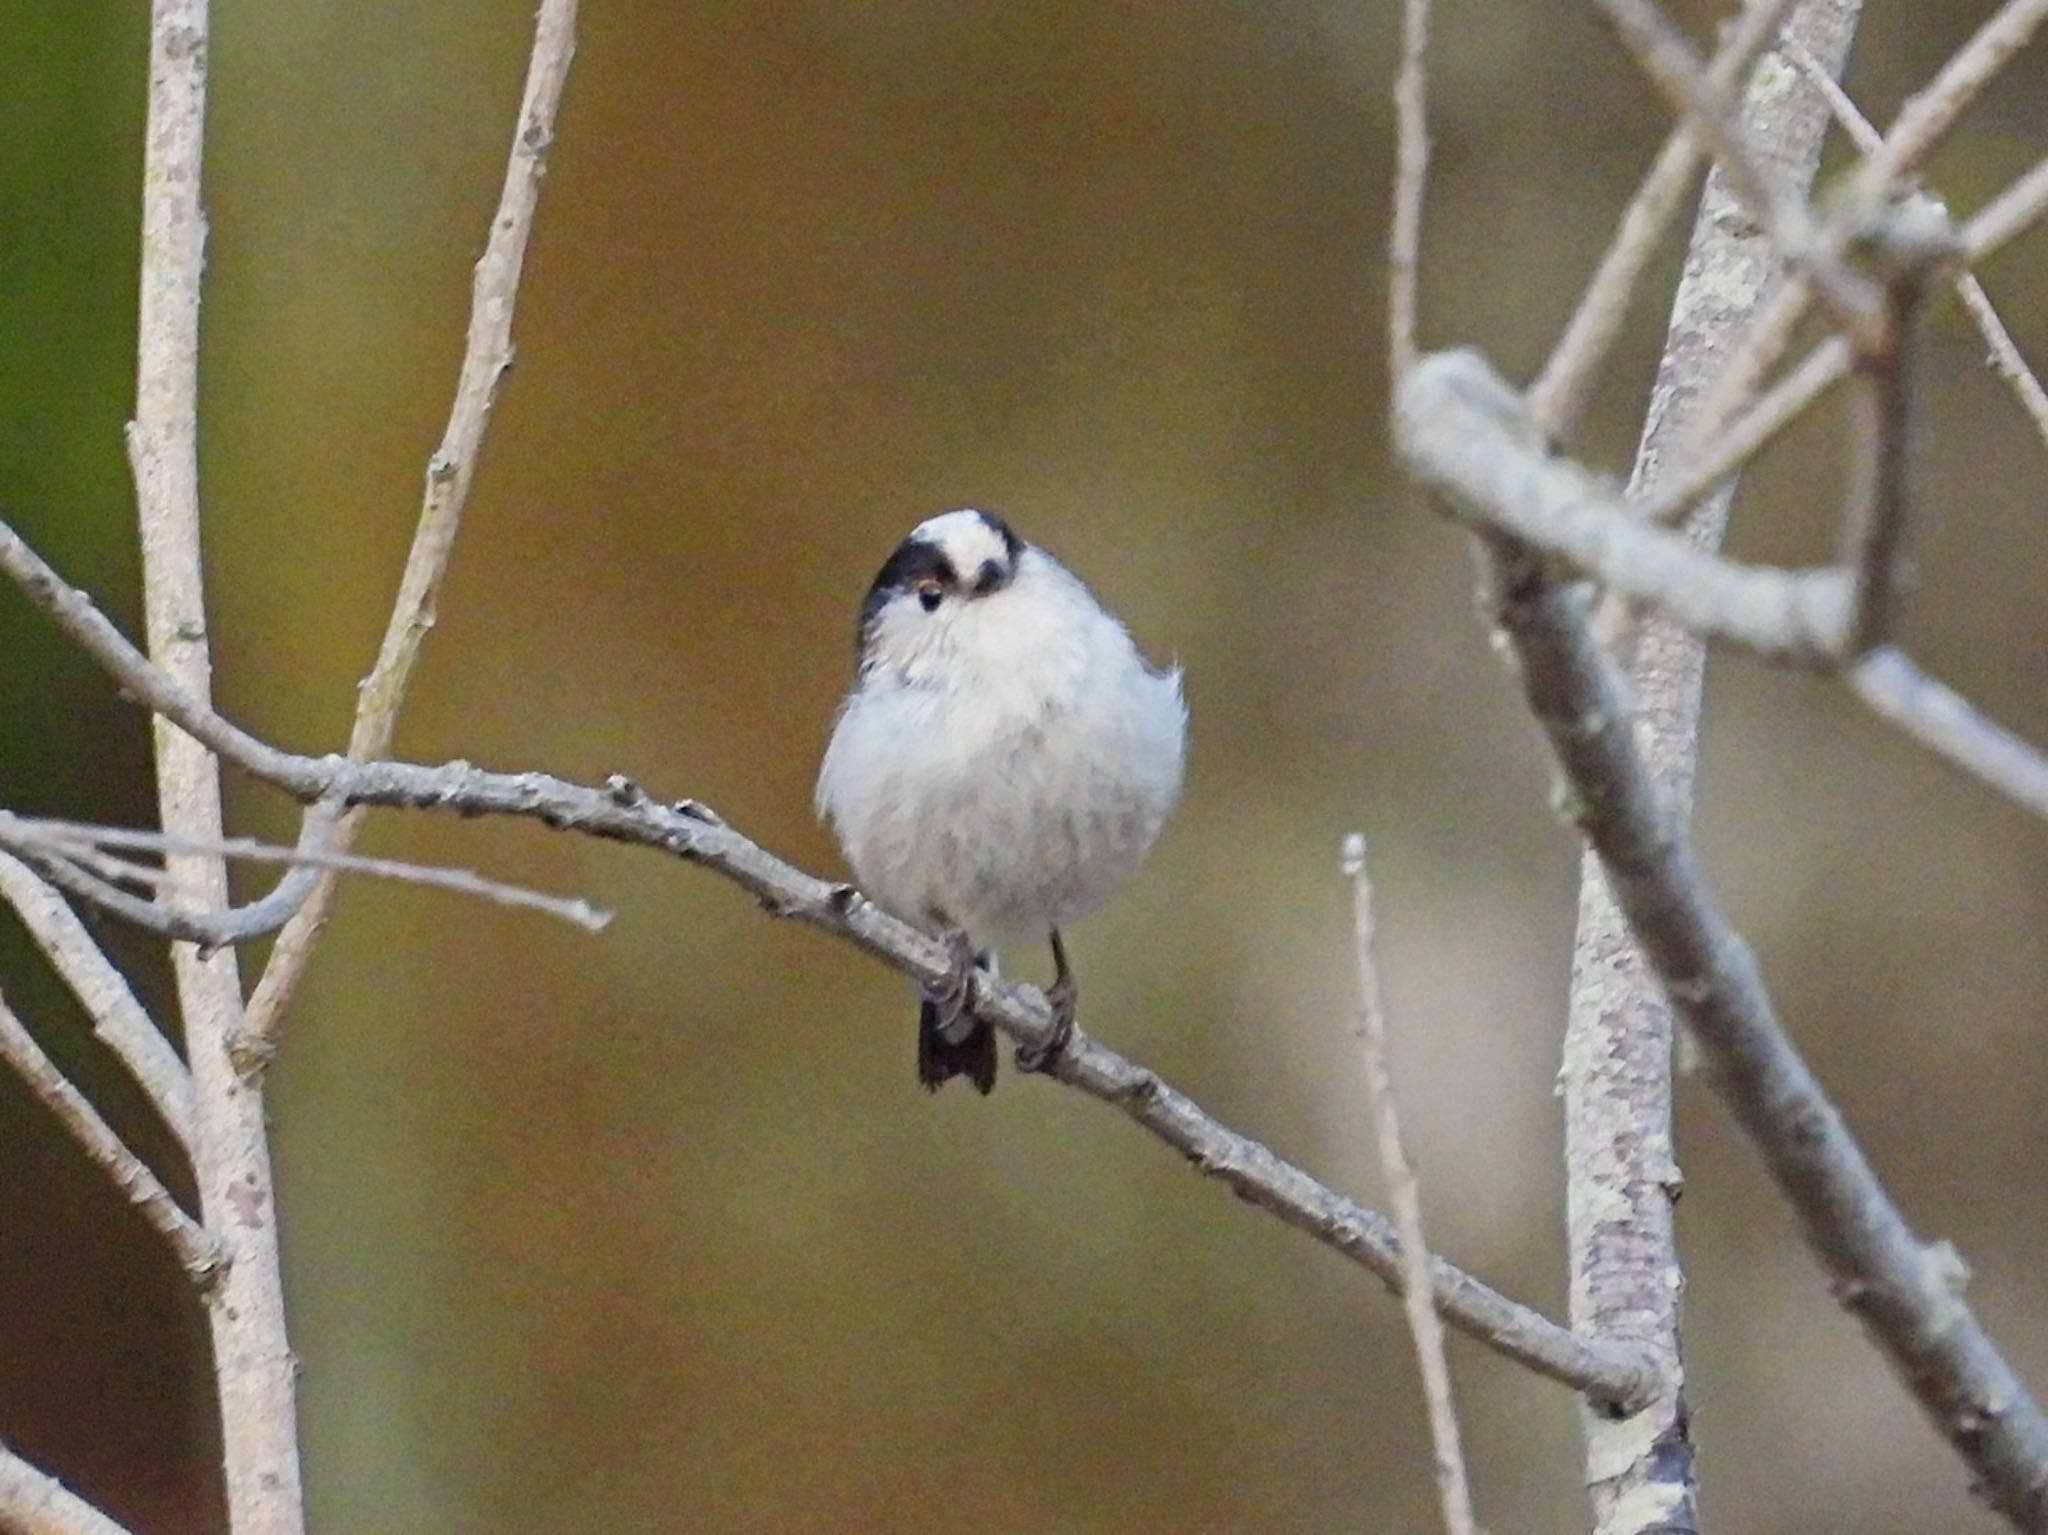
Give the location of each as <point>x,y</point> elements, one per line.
<point>952,995</point>
<point>950,1042</point>
<point>1065,997</point>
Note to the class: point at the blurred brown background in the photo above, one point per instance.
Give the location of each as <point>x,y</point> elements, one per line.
<point>654,1231</point>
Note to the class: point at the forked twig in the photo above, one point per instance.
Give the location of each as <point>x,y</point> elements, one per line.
<point>68,840</point>
<point>1798,236</point>
<point>2005,358</point>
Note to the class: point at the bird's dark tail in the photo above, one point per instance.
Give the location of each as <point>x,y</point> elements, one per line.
<point>940,1058</point>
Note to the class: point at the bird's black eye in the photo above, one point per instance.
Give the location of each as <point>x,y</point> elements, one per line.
<point>928,595</point>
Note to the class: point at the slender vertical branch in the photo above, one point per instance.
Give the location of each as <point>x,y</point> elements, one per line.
<point>231,1154</point>
<point>1622,1172</point>
<point>1411,179</point>
<point>1454,1493</point>
<point>449,475</point>
<point>1881,486</point>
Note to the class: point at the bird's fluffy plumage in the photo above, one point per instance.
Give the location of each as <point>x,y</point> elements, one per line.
<point>1007,756</point>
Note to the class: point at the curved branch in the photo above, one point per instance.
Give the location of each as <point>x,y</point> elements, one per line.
<point>620,812</point>
<point>1907,1293</point>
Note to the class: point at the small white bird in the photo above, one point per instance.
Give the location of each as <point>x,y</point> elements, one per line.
<point>1002,765</point>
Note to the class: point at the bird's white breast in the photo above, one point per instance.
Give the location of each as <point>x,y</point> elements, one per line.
<point>1011,769</point>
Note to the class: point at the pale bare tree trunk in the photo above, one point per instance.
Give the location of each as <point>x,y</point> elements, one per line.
<point>1622,1174</point>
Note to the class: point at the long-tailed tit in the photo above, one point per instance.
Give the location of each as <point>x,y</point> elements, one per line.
<point>1003,763</point>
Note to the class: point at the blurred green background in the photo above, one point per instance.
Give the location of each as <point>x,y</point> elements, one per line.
<point>654,1230</point>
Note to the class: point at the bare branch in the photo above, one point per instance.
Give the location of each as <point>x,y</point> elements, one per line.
<point>1785,402</point>
<point>1935,109</point>
<point>33,1502</point>
<point>1902,1290</point>
<point>1454,1493</point>
<point>620,812</point>
<point>1916,241</point>
<point>1947,723</point>
<point>67,840</point>
<point>76,869</point>
<point>449,474</point>
<point>252,1358</point>
<point>109,648</point>
<point>1460,430</point>
<point>1411,179</point>
<point>2004,218</point>
<point>2008,215</point>
<point>1615,1072</point>
<point>119,1021</point>
<point>1672,66</point>
<point>195,1247</point>
<point>1861,132</point>
<point>2005,358</point>
<point>1558,397</point>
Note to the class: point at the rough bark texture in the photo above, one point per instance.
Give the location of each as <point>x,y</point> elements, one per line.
<point>1623,1175</point>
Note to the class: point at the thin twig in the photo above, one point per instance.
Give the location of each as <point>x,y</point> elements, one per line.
<point>1932,111</point>
<point>1799,238</point>
<point>86,874</point>
<point>67,838</point>
<point>2008,215</point>
<point>620,812</point>
<point>1904,1291</point>
<point>450,472</point>
<point>2005,358</point>
<point>1945,722</point>
<point>1411,180</point>
<point>119,1021</point>
<point>2004,218</point>
<point>1862,133</point>
<point>1762,345</point>
<point>1779,406</point>
<point>33,1502</point>
<point>1454,1491</point>
<point>1558,397</point>
<point>195,1247</point>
